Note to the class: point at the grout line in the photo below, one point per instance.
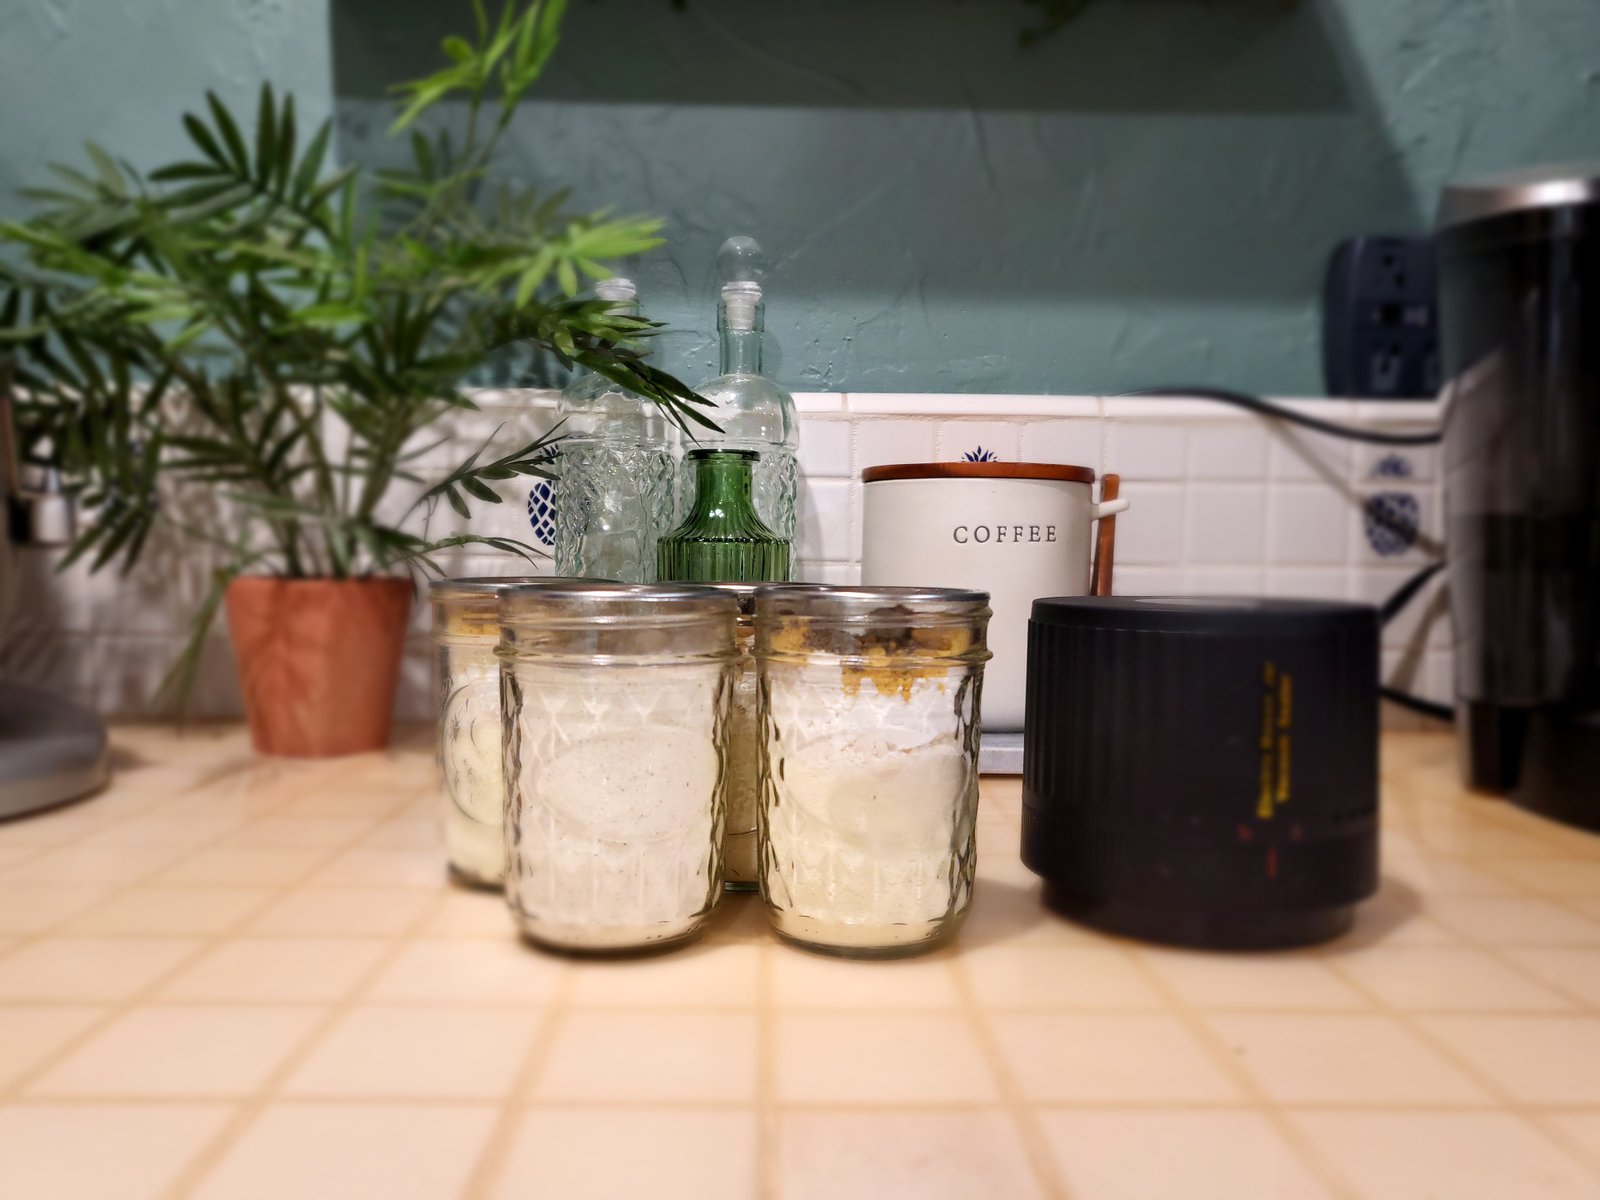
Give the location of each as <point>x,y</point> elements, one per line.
<point>247,1112</point>
<point>491,1161</point>
<point>769,1134</point>
<point>1210,1041</point>
<point>1024,1114</point>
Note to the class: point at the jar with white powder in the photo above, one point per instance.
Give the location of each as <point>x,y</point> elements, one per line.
<point>466,629</point>
<point>869,709</point>
<point>617,705</point>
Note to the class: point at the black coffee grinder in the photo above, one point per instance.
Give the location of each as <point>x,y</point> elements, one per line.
<point>1519,262</point>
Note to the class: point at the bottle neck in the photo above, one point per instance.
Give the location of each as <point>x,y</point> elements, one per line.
<point>723,484</point>
<point>741,351</point>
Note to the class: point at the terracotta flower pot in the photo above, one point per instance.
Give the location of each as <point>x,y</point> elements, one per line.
<point>318,661</point>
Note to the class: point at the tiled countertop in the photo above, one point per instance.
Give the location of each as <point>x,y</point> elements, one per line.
<point>232,977</point>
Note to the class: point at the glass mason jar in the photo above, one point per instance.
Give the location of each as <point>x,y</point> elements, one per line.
<point>722,538</point>
<point>739,836</point>
<point>616,709</point>
<point>869,709</point>
<point>466,629</point>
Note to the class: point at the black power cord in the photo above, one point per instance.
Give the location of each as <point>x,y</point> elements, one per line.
<point>1279,413</point>
<point>1406,592</point>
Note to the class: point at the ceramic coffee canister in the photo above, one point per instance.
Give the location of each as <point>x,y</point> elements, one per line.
<point>1018,531</point>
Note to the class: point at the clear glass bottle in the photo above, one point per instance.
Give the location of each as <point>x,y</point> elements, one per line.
<point>617,704</point>
<point>870,721</point>
<point>753,412</point>
<point>614,494</point>
<point>466,630</point>
<point>722,539</point>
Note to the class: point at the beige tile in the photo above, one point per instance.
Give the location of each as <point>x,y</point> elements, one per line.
<point>1514,921</point>
<point>470,912</point>
<point>651,1057</point>
<point>29,908</point>
<point>1454,1156</point>
<point>1580,1131</point>
<point>1013,975</point>
<point>1342,1060</point>
<point>30,1034</point>
<point>262,865</point>
<point>344,912</point>
<point>418,831</point>
<point>1551,876</point>
<point>345,804</point>
<point>672,1154</point>
<point>10,855</point>
<point>702,976</point>
<point>926,1155</point>
<point>738,917</point>
<point>881,1059</point>
<point>1446,979</point>
<point>397,1152</point>
<point>369,867</point>
<point>1013,910</point>
<point>1431,876</point>
<point>419,1053</point>
<point>94,865</point>
<point>89,968</point>
<point>268,832</point>
<point>154,911</point>
<point>1566,968</point>
<point>471,972</point>
<point>1094,1058</point>
<point>1537,1060</point>
<point>801,980</point>
<point>181,1052</point>
<point>1251,981</point>
<point>100,1151</point>
<point>277,969</point>
<point>160,829</point>
<point>1123,1155</point>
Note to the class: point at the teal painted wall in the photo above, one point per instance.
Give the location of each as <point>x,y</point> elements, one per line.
<point>1147,196</point>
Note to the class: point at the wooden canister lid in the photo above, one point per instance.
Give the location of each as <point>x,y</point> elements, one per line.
<point>978,470</point>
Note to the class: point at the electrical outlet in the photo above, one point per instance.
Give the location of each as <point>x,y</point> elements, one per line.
<point>1380,309</point>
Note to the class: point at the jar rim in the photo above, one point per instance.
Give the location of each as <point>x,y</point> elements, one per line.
<point>591,601</point>
<point>860,601</point>
<point>482,586</point>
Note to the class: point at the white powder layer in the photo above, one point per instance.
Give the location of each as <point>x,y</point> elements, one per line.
<point>470,743</point>
<point>615,816</point>
<point>870,822</point>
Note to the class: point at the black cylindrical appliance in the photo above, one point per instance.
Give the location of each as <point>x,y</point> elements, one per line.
<point>1202,771</point>
<point>1519,259</point>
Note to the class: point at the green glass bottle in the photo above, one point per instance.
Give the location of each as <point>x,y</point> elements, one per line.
<point>722,540</point>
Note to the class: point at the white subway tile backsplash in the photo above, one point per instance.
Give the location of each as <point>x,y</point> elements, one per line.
<point>1223,502</point>
<point>1223,581</point>
<point>1134,580</point>
<point>825,520</point>
<point>1309,525</point>
<point>1301,456</point>
<point>1150,533</point>
<point>1145,451</point>
<point>1227,450</point>
<point>825,449</point>
<point>1227,524</point>
<point>1079,443</point>
<point>979,441</point>
<point>1306,583</point>
<point>882,442</point>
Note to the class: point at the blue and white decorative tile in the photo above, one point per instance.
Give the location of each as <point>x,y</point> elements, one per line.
<point>979,454</point>
<point>542,509</point>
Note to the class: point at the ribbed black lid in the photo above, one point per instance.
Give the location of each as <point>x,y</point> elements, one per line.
<point>1203,614</point>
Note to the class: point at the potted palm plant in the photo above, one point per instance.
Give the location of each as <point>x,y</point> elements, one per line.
<point>254,332</point>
